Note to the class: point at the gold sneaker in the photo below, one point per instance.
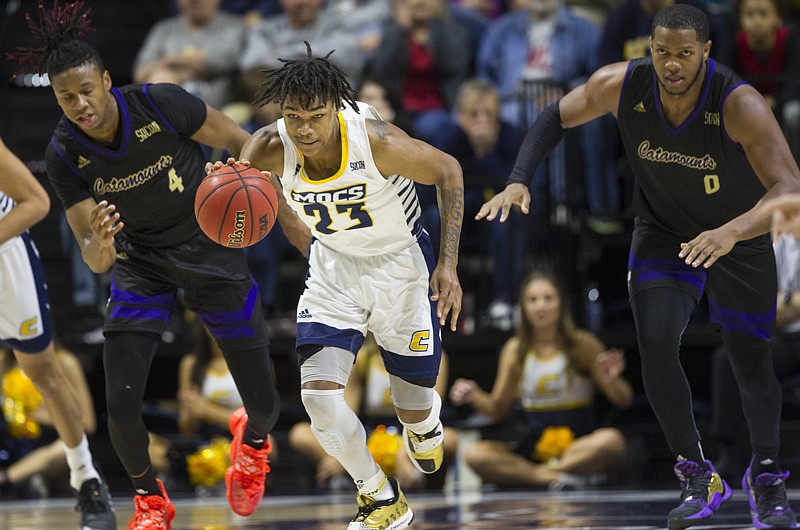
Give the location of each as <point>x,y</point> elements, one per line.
<point>426,450</point>
<point>391,514</point>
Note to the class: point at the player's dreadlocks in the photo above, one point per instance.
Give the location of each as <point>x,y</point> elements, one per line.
<point>57,32</point>
<point>306,80</point>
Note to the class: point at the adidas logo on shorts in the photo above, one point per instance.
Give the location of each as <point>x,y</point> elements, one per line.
<point>305,313</point>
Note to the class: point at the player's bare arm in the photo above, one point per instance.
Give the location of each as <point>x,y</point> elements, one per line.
<point>397,153</point>
<point>32,200</point>
<point>749,121</point>
<point>222,132</point>
<point>264,151</point>
<point>598,96</point>
<point>94,226</point>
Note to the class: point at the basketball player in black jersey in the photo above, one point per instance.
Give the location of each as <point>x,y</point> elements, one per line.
<point>706,151</point>
<point>126,163</point>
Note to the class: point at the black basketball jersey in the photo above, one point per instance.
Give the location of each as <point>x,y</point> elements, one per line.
<point>151,171</point>
<point>689,178</point>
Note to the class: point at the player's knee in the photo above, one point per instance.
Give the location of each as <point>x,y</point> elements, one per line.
<point>323,407</point>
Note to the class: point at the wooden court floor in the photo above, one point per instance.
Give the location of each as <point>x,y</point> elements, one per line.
<point>592,510</point>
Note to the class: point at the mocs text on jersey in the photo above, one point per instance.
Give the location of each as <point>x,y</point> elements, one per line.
<point>355,192</point>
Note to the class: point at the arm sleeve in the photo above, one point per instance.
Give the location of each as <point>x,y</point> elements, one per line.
<point>184,112</point>
<point>542,137</point>
<point>70,188</point>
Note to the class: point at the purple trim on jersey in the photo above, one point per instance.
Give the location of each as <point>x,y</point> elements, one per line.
<point>37,344</point>
<point>624,84</point>
<point>649,269</point>
<point>222,318</point>
<point>674,131</point>
<point>320,334</point>
<point>140,313</point>
<point>722,115</point>
<point>126,132</point>
<point>127,297</point>
<point>755,324</point>
<point>63,157</point>
<point>158,111</point>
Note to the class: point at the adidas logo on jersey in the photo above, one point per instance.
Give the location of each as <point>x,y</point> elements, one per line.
<point>639,107</point>
<point>83,162</point>
<point>305,313</point>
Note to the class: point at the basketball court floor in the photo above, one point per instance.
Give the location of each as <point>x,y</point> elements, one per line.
<point>588,510</point>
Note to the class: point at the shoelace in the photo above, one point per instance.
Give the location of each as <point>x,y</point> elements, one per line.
<point>92,503</point>
<point>364,512</point>
<point>696,488</point>
<point>770,499</point>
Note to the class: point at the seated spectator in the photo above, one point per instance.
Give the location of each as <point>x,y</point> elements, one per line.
<point>368,393</point>
<point>727,419</point>
<point>487,147</point>
<point>422,59</point>
<point>767,55</point>
<point>197,49</point>
<point>36,464</point>
<point>554,369</point>
<point>283,37</point>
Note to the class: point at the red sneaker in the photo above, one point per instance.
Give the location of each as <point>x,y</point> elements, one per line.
<point>244,479</point>
<point>153,512</point>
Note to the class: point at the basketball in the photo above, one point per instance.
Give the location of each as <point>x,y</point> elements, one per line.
<point>236,206</point>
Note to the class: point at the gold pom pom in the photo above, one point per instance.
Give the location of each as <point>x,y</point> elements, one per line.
<point>383,443</point>
<point>553,442</point>
<point>208,464</point>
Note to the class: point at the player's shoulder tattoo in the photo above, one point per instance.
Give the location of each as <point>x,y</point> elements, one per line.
<point>380,128</point>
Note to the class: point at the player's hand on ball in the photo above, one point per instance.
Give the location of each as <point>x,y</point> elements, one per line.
<point>213,166</point>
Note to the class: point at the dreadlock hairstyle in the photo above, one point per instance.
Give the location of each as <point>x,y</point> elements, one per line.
<point>57,32</point>
<point>306,80</point>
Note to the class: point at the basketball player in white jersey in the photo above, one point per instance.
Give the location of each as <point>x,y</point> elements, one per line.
<point>346,177</point>
<point>26,328</point>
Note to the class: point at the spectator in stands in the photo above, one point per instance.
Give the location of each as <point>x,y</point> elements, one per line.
<point>422,59</point>
<point>36,463</point>
<point>767,55</point>
<point>282,37</point>
<point>554,369</point>
<point>487,147</point>
<point>368,393</point>
<point>546,44</point>
<point>197,49</point>
<point>388,106</point>
<point>727,419</point>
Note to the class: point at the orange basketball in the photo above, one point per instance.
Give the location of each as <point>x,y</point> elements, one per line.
<point>236,206</point>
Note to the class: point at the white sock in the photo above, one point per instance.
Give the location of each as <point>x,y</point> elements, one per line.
<point>81,468</point>
<point>376,487</point>
<point>429,423</point>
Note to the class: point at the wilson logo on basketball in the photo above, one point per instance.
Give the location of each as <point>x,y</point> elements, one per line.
<point>236,237</point>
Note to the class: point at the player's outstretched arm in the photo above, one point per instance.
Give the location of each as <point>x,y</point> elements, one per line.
<point>397,153</point>
<point>785,211</point>
<point>32,200</point>
<point>220,131</point>
<point>596,97</point>
<point>749,121</point>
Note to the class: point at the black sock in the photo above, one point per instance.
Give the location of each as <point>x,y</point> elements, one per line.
<point>763,464</point>
<point>146,484</point>
<point>254,439</point>
<point>693,452</point>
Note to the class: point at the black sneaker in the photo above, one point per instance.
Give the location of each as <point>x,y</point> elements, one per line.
<point>769,506</point>
<point>94,503</point>
<point>702,493</point>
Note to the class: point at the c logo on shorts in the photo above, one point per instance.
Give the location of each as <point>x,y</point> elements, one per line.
<point>419,340</point>
<point>29,327</point>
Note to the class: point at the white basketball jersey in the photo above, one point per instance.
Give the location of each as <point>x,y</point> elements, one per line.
<point>548,385</point>
<point>357,211</point>
<point>6,203</point>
